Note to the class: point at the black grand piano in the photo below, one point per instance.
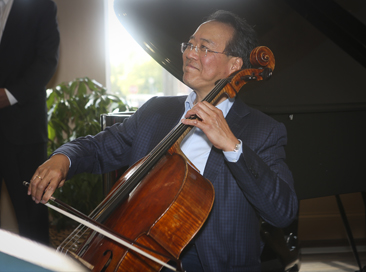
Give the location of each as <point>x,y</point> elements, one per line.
<point>318,89</point>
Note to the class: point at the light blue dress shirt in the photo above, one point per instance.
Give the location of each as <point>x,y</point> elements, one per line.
<point>196,145</point>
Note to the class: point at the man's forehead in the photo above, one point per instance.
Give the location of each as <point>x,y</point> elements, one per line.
<point>210,30</point>
<point>201,39</point>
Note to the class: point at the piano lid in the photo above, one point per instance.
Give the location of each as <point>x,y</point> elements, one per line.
<point>318,88</point>
<point>319,46</point>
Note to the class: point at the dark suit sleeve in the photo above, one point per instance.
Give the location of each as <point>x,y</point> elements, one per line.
<point>39,57</point>
<point>265,179</point>
<point>107,151</point>
<point>124,144</point>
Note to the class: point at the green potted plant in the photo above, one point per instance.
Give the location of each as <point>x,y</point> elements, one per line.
<point>74,110</point>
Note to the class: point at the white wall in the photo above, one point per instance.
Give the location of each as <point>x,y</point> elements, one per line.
<point>82,45</point>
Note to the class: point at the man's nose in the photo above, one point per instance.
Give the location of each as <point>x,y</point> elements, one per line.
<point>194,53</point>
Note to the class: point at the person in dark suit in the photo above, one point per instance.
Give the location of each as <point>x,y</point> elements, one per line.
<point>239,149</point>
<point>28,58</point>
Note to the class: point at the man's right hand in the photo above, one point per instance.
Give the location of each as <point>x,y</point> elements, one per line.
<point>48,177</point>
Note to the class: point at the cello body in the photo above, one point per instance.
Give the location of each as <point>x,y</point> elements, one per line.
<point>161,202</point>
<point>163,212</point>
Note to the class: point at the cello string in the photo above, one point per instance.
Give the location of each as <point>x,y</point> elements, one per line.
<point>71,242</point>
<point>111,236</point>
<point>105,228</point>
<point>157,150</point>
<point>156,153</point>
<point>151,160</point>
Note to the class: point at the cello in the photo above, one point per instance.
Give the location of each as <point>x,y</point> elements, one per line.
<point>160,203</point>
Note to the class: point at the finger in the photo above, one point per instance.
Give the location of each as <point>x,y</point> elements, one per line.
<point>61,183</point>
<point>193,122</point>
<point>30,184</point>
<point>208,112</point>
<point>36,178</point>
<point>38,189</point>
<point>52,186</point>
<point>196,110</point>
<point>195,115</point>
<point>207,105</point>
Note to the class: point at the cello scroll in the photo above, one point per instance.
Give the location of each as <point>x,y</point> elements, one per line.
<point>263,62</point>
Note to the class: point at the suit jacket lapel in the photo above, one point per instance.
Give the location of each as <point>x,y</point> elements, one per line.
<point>15,17</point>
<point>235,121</point>
<point>176,110</point>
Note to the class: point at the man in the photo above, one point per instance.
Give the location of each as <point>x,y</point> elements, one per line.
<point>29,41</point>
<point>238,149</point>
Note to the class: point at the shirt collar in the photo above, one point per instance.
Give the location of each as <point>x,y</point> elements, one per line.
<point>189,103</point>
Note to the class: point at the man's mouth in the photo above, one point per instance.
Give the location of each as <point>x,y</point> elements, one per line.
<point>191,66</point>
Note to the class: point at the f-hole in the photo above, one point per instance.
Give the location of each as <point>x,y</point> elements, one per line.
<point>109,260</point>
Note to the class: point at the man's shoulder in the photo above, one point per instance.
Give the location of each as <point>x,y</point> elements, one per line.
<point>256,117</point>
<point>166,101</point>
<point>173,99</point>
<point>262,115</point>
<point>168,106</point>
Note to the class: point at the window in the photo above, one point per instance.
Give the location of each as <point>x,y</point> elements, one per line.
<point>131,73</point>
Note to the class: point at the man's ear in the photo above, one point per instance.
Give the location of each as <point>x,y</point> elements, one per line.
<point>236,64</point>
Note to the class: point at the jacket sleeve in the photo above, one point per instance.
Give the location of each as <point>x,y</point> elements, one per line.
<point>265,179</point>
<point>101,153</point>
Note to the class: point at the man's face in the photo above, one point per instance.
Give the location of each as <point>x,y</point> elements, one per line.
<point>200,71</point>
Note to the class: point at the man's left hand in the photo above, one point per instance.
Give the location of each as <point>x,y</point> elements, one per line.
<point>212,122</point>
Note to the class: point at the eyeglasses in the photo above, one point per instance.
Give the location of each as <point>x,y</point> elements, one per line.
<point>201,49</point>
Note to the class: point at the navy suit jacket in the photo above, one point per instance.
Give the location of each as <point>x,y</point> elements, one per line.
<point>28,59</point>
<point>259,185</point>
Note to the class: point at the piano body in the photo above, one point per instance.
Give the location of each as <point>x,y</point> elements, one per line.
<point>318,89</point>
